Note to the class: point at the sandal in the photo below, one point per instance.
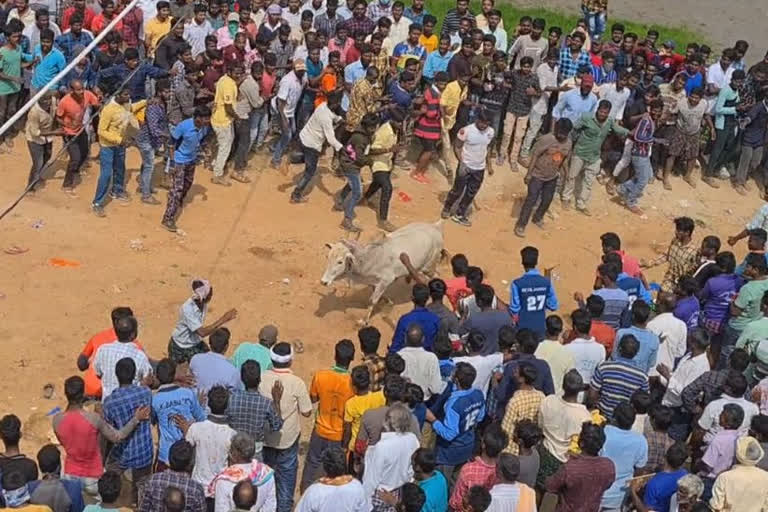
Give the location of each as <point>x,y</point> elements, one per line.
<point>241,177</point>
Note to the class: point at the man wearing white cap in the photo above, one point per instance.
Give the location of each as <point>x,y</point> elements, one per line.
<point>281,449</point>
<point>744,488</point>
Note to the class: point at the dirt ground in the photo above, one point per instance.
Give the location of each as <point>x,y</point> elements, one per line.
<point>722,22</point>
<point>265,257</point>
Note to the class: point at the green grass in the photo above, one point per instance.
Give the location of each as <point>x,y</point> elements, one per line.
<point>567,21</point>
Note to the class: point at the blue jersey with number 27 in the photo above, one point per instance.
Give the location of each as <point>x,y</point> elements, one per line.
<point>530,297</point>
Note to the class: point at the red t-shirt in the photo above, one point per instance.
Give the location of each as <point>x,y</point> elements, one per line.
<point>456,289</point>
<point>71,113</point>
<point>80,438</point>
<point>87,18</point>
<point>267,84</point>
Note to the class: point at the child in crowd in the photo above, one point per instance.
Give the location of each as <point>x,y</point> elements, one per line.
<point>527,436</point>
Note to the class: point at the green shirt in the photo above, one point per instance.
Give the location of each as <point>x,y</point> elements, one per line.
<point>255,351</point>
<point>10,64</point>
<point>748,301</point>
<point>755,332</point>
<point>589,136</point>
<point>99,508</point>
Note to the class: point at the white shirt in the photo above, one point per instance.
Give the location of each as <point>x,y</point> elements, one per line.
<point>388,463</point>
<point>106,360</point>
<point>195,35</point>
<point>710,418</point>
<point>301,53</point>
<point>315,12</point>
<point>266,500</point>
<point>398,32</point>
<point>320,497</point>
<point>505,498</point>
<point>617,98</point>
<point>475,149</point>
<point>211,439</point>
<point>294,20</point>
<point>547,78</point>
<point>191,319</point>
<point>587,354</point>
<point>423,369</point>
<point>718,77</point>
<point>560,360</point>
<point>484,366</point>
<point>319,129</point>
<point>673,340</point>
<point>33,33</point>
<point>560,421</point>
<point>501,37</point>
<point>689,369</point>
<point>289,90</point>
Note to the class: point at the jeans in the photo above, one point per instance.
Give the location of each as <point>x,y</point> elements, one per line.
<point>242,143</point>
<point>147,168</point>
<point>283,142</point>
<point>382,180</point>
<point>587,171</point>
<point>537,189</point>
<point>535,120</point>
<point>77,149</point>
<point>514,130</point>
<point>725,140</point>
<point>632,189</point>
<point>730,337</point>
<point>595,22</point>
<point>225,135</point>
<point>40,154</point>
<point>313,467</point>
<point>285,463</point>
<point>311,156</point>
<point>349,201</point>
<point>112,163</point>
<point>259,126</point>
<point>749,160</point>
<point>466,185</point>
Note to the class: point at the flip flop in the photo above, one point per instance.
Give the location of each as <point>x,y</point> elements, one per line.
<point>298,346</point>
<point>15,249</point>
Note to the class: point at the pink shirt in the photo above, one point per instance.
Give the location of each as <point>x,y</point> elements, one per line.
<point>334,46</point>
<point>80,439</point>
<point>629,264</point>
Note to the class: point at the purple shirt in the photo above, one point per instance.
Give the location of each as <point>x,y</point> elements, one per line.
<point>720,452</point>
<point>687,310</point>
<point>716,297</point>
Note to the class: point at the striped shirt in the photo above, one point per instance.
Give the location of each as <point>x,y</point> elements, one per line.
<point>107,358</point>
<point>616,381</point>
<point>452,20</point>
<point>602,76</point>
<point>616,306</point>
<point>428,125</point>
<point>643,137</point>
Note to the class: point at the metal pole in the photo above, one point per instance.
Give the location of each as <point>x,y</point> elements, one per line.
<point>23,110</point>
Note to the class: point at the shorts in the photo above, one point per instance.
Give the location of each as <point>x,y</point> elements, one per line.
<point>428,144</point>
<point>683,145</point>
<point>548,466</point>
<point>180,355</point>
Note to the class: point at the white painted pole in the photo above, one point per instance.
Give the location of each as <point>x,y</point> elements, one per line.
<point>23,110</point>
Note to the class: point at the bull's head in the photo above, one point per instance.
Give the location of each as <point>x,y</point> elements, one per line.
<point>340,261</point>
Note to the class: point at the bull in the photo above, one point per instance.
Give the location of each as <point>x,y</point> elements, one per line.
<point>378,263</point>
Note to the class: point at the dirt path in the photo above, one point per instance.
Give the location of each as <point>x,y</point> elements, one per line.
<point>265,257</point>
<point>724,22</point>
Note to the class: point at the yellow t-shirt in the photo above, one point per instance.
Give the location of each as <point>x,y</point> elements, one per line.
<point>226,94</point>
<point>450,99</point>
<point>356,407</point>
<point>154,30</point>
<point>384,138</point>
<point>429,43</point>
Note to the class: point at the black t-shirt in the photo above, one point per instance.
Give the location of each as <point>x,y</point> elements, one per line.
<point>19,463</point>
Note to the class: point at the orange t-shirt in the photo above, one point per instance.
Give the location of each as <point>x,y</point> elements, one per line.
<point>604,334</point>
<point>327,84</point>
<point>92,381</point>
<point>332,388</point>
<point>456,289</point>
<point>71,113</point>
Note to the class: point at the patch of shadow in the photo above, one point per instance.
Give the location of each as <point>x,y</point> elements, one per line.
<point>262,252</point>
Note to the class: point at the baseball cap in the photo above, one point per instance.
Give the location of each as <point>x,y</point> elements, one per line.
<point>233,16</point>
<point>268,333</point>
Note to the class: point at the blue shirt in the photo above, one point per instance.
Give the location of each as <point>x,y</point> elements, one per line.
<point>399,95</point>
<point>49,66</point>
<point>645,359</point>
<point>627,450</point>
<point>634,288</point>
<point>602,76</point>
<point>660,488</point>
<point>67,43</point>
<point>447,366</point>
<point>137,83</point>
<point>416,18</point>
<point>692,82</point>
<point>428,321</point>
<point>573,105</point>
<point>743,265</point>
<point>137,450</point>
<point>436,63</point>
<point>73,488</point>
<point>187,138</point>
<point>568,66</point>
<point>464,409</point>
<point>168,401</point>
<point>529,298</point>
<point>211,369</point>
<point>436,491</point>
<point>616,309</point>
<point>352,73</point>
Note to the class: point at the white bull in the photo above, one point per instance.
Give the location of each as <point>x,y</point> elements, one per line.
<point>378,263</point>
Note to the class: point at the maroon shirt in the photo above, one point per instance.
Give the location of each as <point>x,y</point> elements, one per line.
<point>581,482</point>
